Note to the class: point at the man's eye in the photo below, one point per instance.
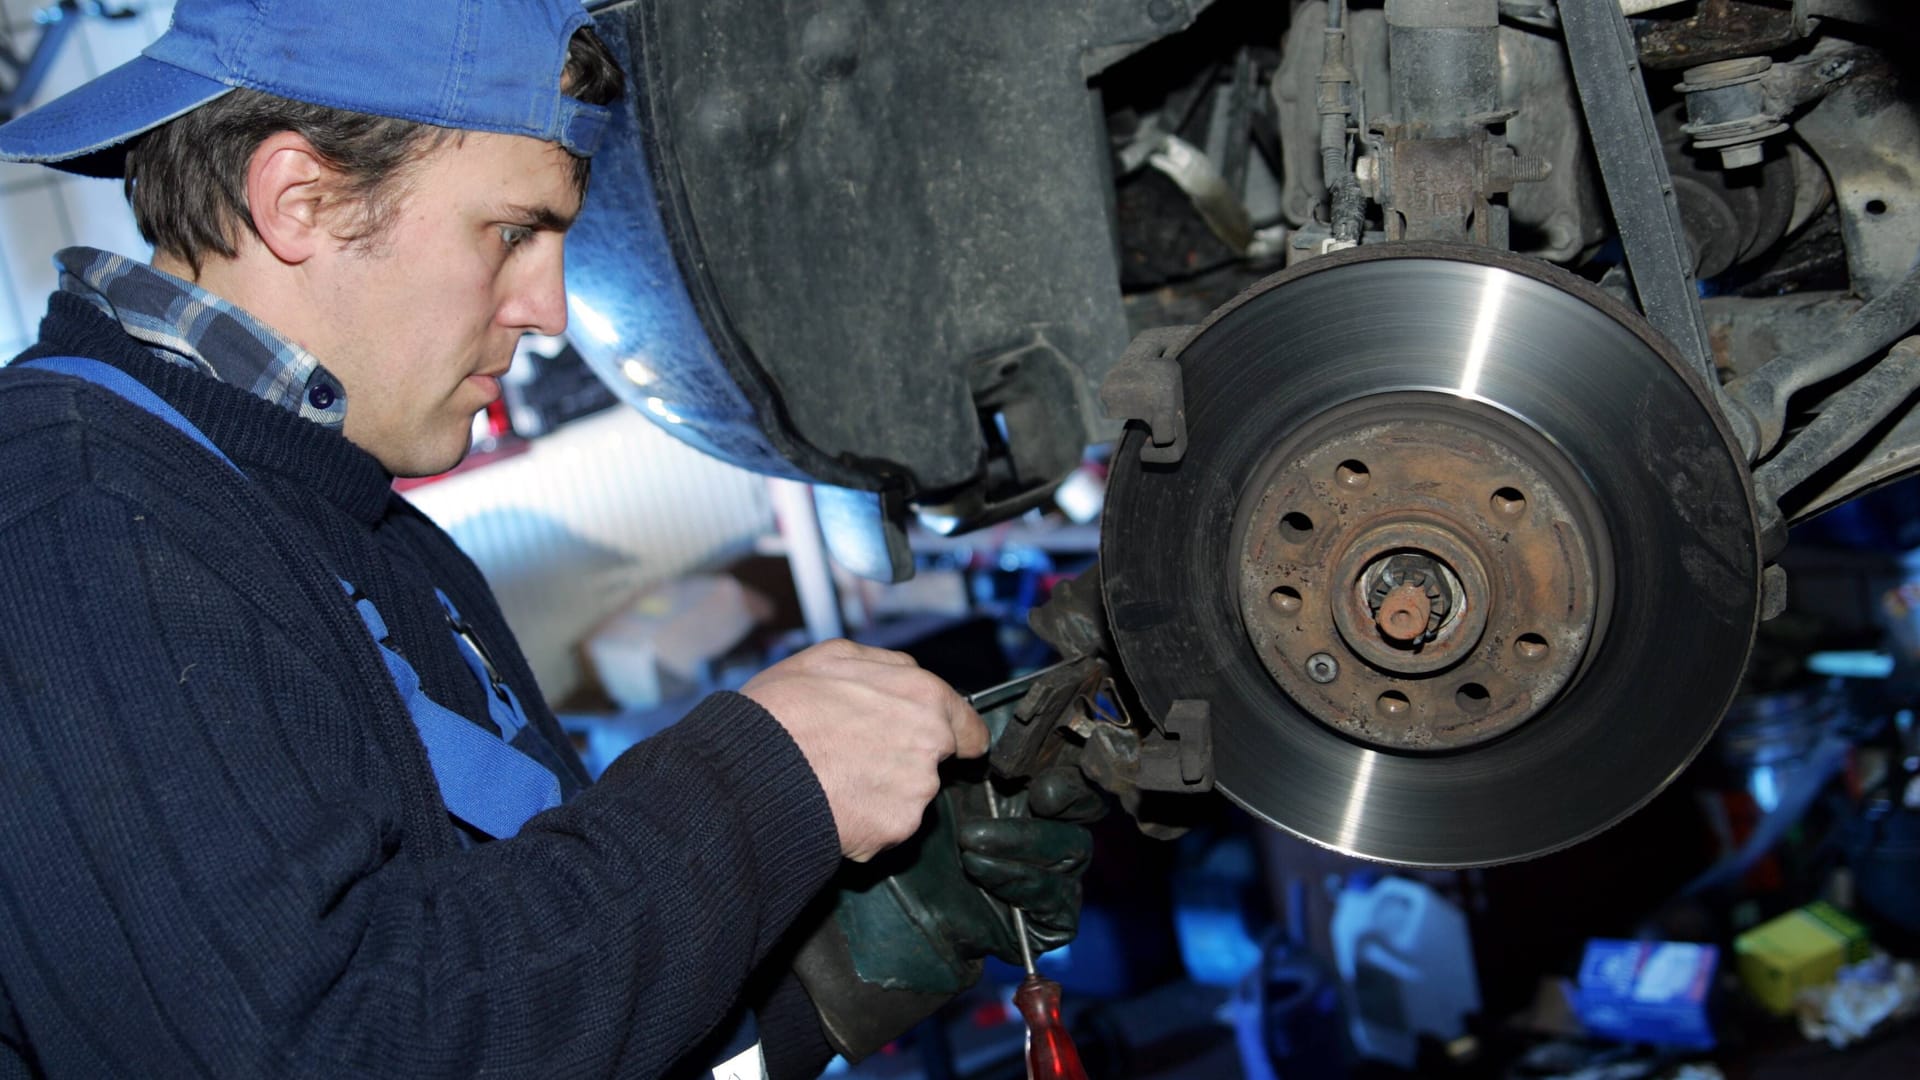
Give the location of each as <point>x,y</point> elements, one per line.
<point>514,235</point>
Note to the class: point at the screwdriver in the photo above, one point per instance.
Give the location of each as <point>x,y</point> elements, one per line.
<point>1051,1054</point>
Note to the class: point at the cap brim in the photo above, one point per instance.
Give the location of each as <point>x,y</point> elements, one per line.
<point>85,131</point>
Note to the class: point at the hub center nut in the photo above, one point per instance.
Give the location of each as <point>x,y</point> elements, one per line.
<point>1410,596</point>
<point>1404,614</point>
<point>1419,596</point>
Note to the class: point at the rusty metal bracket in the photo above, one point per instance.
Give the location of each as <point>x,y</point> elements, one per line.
<point>1144,387</point>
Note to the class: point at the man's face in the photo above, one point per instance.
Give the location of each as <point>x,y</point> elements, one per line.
<point>423,321</point>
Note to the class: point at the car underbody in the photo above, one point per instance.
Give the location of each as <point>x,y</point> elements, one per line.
<point>1468,359</point>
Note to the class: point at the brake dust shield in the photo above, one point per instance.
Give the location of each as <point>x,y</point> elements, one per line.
<point>1457,553</point>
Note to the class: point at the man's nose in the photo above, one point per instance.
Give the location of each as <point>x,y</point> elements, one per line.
<point>538,302</point>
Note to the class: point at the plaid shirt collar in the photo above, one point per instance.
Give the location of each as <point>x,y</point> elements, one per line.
<point>183,324</point>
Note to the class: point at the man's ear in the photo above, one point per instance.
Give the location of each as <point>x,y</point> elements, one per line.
<point>287,189</point>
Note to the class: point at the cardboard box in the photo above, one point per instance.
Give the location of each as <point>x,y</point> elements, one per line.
<point>657,647</point>
<point>1647,992</point>
<point>1801,949</point>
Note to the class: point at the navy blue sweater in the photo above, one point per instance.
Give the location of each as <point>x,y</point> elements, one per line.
<point>222,851</point>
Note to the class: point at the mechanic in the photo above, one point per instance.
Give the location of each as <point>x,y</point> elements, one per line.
<point>282,795</point>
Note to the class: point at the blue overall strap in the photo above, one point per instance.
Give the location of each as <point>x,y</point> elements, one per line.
<point>108,377</point>
<point>484,782</point>
<point>503,705</point>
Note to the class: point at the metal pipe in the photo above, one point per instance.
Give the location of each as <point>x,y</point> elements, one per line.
<point>1346,205</point>
<point>807,557</point>
<point>1846,418</point>
<point>1892,456</point>
<point>1764,393</point>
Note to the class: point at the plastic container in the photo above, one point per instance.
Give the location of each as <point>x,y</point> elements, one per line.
<point>1406,968</point>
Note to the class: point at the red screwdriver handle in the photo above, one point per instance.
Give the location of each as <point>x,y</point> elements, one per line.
<point>1050,1051</point>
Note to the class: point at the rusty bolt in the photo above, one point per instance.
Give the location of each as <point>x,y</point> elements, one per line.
<point>1322,668</point>
<point>1404,613</point>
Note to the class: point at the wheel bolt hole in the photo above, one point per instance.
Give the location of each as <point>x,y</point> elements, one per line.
<point>1508,503</point>
<point>1285,600</point>
<point>1296,528</point>
<point>1473,699</point>
<point>1393,703</point>
<point>1530,647</point>
<point>1876,207</point>
<point>1352,475</point>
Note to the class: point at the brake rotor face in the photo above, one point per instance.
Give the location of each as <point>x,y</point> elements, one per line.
<point>1458,555</point>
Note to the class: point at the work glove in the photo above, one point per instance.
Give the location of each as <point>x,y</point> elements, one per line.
<point>1032,863</point>
<point>908,930</point>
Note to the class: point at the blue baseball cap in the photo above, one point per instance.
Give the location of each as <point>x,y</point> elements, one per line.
<point>474,65</point>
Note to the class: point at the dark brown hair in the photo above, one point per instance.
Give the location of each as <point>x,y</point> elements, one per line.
<point>187,178</point>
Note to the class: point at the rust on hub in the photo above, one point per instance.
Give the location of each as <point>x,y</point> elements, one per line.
<point>1403,615</point>
<point>1456,589</point>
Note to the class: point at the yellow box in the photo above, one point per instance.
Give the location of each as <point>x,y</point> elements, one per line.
<point>1802,948</point>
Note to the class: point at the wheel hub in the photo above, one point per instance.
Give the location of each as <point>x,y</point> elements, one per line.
<point>1435,555</point>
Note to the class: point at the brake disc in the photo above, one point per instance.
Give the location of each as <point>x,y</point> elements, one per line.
<point>1458,553</point>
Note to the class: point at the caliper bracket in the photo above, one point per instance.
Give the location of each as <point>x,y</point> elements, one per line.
<point>1144,387</point>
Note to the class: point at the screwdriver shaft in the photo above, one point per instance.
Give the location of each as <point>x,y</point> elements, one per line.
<point>1051,1054</point>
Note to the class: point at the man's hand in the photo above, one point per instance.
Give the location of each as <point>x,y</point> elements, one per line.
<point>907,931</point>
<point>875,727</point>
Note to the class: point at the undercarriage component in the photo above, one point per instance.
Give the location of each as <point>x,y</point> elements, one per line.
<point>1339,107</point>
<point>1730,216</point>
<point>1867,135</point>
<point>1634,169</point>
<point>1455,437</point>
<point>1844,419</point>
<point>1727,109</point>
<point>906,199</point>
<point>1438,160</point>
<point>1144,388</point>
<point>1734,106</point>
<point>1073,716</point>
<point>1718,30</point>
<point>1553,205</point>
<point>1879,460</point>
<point>1764,394</point>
